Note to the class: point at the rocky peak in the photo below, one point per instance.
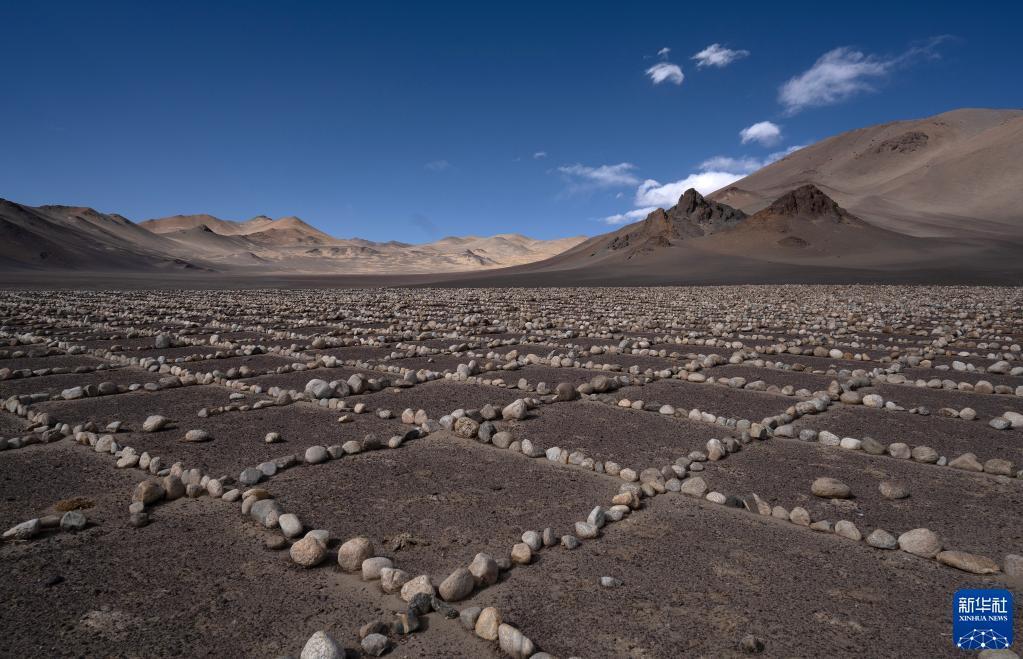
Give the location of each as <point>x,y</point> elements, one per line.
<point>808,201</point>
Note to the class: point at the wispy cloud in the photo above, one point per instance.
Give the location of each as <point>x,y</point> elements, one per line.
<point>437,165</point>
<point>745,164</point>
<point>764,132</point>
<point>664,52</point>
<point>740,165</point>
<point>666,72</point>
<point>539,155</point>
<point>628,216</point>
<point>583,177</point>
<point>844,72</point>
<point>717,55</point>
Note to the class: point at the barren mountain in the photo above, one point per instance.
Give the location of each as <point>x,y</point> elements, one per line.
<point>82,239</point>
<point>801,236</point>
<point>957,174</point>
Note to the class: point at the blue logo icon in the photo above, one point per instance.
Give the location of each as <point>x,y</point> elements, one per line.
<point>982,619</point>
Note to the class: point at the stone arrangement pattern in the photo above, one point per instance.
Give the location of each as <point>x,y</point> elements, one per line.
<point>275,411</point>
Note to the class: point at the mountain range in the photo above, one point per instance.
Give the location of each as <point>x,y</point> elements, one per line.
<point>76,239</point>
<point>931,200</point>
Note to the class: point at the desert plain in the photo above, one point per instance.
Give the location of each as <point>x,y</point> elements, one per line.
<point>645,472</point>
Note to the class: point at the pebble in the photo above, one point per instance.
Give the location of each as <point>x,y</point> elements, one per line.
<point>847,529</point>
<point>570,541</point>
<point>316,455</point>
<point>148,492</point>
<point>290,525</point>
<point>392,579</point>
<point>696,487</point>
<point>968,562</point>
<point>468,617</point>
<point>920,542</point>
<point>197,436</point>
<point>23,531</point>
<point>513,642</point>
<point>521,554</point>
<point>420,584</point>
<point>893,490</point>
<point>373,566</point>
<point>882,539</point>
<point>375,645</point>
<point>352,553</point>
<point>457,586</point>
<point>484,569</point>
<point>830,488</point>
<point>308,552</point>
<point>154,423</point>
<point>488,623</point>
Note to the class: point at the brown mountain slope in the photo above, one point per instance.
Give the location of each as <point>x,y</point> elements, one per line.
<point>803,236</point>
<point>69,238</point>
<point>957,174</point>
<point>80,239</point>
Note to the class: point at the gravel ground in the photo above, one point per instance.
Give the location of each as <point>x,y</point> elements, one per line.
<point>770,469</point>
<point>719,400</point>
<point>453,497</point>
<point>696,578</point>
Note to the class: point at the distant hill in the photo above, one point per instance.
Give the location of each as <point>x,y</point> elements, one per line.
<point>77,239</point>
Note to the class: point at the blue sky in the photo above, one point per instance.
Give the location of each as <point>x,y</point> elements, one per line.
<point>414,121</point>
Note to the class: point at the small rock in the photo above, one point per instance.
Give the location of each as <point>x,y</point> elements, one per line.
<point>375,645</point>
<point>308,552</point>
<point>882,539</point>
<point>154,423</point>
<point>920,542</point>
<point>197,436</point>
<point>968,562</point>
<point>72,521</point>
<point>487,624</point>
<point>353,552</point>
<point>830,488</point>
<point>457,586</point>
<point>321,646</point>
<point>893,490</point>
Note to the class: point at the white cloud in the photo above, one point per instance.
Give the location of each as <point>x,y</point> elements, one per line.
<point>742,165</point>
<point>717,55</point>
<point>844,72</point>
<point>778,155</point>
<point>539,155</point>
<point>628,216</point>
<point>582,177</point>
<point>437,165</point>
<point>663,52</point>
<point>765,132</point>
<point>663,195</point>
<point>666,72</point>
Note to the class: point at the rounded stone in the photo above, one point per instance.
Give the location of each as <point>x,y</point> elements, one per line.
<point>893,490</point>
<point>488,623</point>
<point>457,586</point>
<point>321,646</point>
<point>353,552</point>
<point>920,542</point>
<point>308,552</point>
<point>373,566</point>
<point>830,488</point>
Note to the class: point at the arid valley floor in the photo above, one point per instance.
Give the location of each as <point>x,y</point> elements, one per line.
<point>656,472</point>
